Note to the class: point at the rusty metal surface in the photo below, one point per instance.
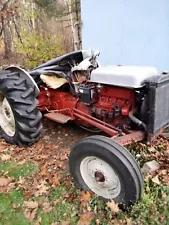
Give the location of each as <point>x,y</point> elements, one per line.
<point>58,117</point>
<point>94,123</point>
<point>135,136</point>
<point>97,120</point>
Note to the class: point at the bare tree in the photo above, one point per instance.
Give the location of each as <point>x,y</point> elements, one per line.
<point>7,10</point>
<point>20,19</point>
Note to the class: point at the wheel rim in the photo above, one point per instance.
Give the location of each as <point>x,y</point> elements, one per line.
<point>100,177</point>
<point>7,120</point>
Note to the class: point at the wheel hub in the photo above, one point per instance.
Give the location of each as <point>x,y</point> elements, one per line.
<point>6,112</point>
<point>100,177</point>
<point>7,120</point>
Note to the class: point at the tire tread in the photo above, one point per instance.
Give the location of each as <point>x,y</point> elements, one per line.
<point>23,102</point>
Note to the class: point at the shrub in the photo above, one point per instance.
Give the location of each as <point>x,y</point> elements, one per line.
<point>37,49</point>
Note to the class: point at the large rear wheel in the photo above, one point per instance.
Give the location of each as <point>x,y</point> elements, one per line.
<point>100,165</point>
<point>20,119</point>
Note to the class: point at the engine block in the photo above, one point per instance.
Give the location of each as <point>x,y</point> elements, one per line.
<point>113,101</point>
<point>110,104</point>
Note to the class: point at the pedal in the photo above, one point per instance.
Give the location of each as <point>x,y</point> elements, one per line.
<point>58,117</point>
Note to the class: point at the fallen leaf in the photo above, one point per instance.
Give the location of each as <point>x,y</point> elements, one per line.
<point>5,181</point>
<point>67,181</point>
<point>11,186</point>
<point>27,214</point>
<point>41,189</point>
<point>89,208</point>
<point>21,180</point>
<point>63,157</point>
<point>129,221</point>
<point>46,138</point>
<point>86,218</point>
<point>69,197</point>
<point>7,188</point>
<point>56,202</point>
<point>113,206</point>
<point>28,194</point>
<point>15,205</point>
<point>44,171</point>
<point>65,223</point>
<point>85,198</point>
<point>156,180</point>
<point>46,207</point>
<point>30,215</point>
<point>30,204</point>
<point>55,180</point>
<point>166,178</point>
<point>38,221</point>
<point>152,149</point>
<point>117,222</point>
<point>5,157</point>
<point>22,162</point>
<point>163,172</point>
<point>33,214</point>
<point>3,149</point>
<point>166,153</point>
<point>97,222</point>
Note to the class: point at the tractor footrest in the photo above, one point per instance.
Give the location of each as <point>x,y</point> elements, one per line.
<point>57,117</point>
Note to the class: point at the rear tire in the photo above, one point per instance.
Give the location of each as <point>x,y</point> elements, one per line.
<point>100,165</point>
<point>20,119</point>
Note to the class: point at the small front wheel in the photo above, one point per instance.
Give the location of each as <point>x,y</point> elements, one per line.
<point>100,165</point>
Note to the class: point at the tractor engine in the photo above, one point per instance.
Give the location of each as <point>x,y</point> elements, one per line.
<point>112,98</point>
<point>112,102</point>
<point>109,104</point>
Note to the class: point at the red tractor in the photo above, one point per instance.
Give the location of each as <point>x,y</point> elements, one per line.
<point>128,103</point>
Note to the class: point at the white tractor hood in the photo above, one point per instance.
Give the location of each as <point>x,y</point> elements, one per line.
<point>124,76</point>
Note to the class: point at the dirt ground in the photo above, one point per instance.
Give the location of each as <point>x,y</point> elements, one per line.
<point>52,149</point>
<point>61,135</point>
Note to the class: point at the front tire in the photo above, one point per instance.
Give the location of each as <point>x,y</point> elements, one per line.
<point>20,119</point>
<point>100,165</point>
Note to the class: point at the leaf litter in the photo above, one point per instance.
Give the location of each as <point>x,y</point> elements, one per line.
<point>52,163</point>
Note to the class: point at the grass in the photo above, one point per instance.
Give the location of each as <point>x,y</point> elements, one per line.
<point>8,214</point>
<point>153,207</point>
<point>62,212</point>
<point>16,170</point>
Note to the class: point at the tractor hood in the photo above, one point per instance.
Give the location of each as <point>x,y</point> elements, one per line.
<point>123,76</point>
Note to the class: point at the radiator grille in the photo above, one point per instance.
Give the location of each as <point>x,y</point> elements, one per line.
<point>158,113</point>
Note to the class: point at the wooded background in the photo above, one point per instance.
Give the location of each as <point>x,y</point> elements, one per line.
<point>34,31</point>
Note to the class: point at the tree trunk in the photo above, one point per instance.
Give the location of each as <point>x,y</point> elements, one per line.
<point>78,24</point>
<point>6,38</point>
